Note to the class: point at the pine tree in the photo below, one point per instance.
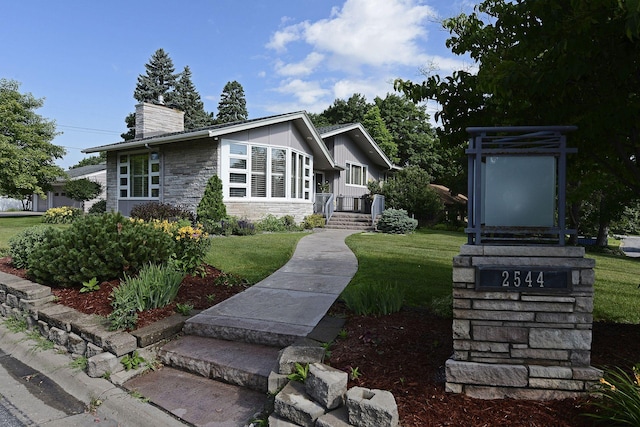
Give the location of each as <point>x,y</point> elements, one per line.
<point>233,105</point>
<point>159,82</point>
<point>186,98</point>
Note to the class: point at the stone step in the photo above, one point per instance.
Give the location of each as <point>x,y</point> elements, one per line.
<point>348,227</point>
<point>238,363</point>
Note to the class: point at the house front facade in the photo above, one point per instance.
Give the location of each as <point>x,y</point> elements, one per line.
<point>272,165</point>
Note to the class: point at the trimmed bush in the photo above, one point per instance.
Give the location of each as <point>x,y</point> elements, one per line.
<point>61,215</point>
<point>373,299</point>
<point>211,209</point>
<point>162,211</point>
<point>313,221</point>
<point>273,224</point>
<point>98,207</point>
<point>101,246</point>
<point>22,244</point>
<point>396,221</point>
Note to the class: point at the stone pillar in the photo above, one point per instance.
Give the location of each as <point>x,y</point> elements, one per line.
<point>520,342</point>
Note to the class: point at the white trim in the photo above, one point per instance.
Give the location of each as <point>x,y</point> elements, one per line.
<point>364,174</point>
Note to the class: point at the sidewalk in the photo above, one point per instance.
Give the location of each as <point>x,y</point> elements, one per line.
<point>280,309</point>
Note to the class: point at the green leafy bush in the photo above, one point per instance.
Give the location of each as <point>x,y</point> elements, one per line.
<point>191,244</point>
<point>273,224</point>
<point>124,314</point>
<point>313,221</point>
<point>82,189</point>
<point>620,393</point>
<point>161,211</point>
<point>211,209</point>
<point>22,244</point>
<point>373,299</point>
<point>101,246</point>
<point>98,207</point>
<point>396,221</point>
<point>61,215</point>
<point>232,226</point>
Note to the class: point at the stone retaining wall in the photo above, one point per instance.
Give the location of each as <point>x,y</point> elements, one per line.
<point>529,345</point>
<point>81,335</point>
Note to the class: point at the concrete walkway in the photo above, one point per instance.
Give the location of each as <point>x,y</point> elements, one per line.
<point>290,303</point>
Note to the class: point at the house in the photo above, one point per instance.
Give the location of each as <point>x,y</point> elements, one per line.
<point>272,165</point>
<point>56,197</point>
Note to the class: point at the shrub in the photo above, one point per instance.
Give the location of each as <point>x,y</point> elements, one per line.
<point>162,211</point>
<point>61,215</point>
<point>232,226</point>
<point>396,221</point>
<point>211,209</point>
<point>373,298</point>
<point>273,224</point>
<point>191,244</point>
<point>82,189</point>
<point>313,221</point>
<point>101,246</point>
<point>22,244</point>
<point>98,207</point>
<point>620,403</point>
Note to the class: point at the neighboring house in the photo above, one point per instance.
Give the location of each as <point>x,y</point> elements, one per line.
<point>56,197</point>
<point>272,165</point>
<point>455,205</point>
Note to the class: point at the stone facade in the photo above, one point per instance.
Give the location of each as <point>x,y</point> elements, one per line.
<point>257,210</point>
<point>518,344</point>
<point>154,119</point>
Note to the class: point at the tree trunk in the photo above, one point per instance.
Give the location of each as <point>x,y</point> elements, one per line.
<point>603,234</point>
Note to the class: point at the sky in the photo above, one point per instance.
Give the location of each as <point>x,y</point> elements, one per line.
<point>84,57</point>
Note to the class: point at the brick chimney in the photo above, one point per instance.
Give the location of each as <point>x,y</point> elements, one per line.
<point>154,119</point>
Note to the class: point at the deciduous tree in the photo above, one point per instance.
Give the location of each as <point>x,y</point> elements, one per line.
<point>27,154</point>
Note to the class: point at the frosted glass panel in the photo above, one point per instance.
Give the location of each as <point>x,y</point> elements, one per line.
<point>519,191</point>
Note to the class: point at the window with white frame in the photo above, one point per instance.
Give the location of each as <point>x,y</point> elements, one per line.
<point>139,176</point>
<point>356,174</point>
<point>261,171</point>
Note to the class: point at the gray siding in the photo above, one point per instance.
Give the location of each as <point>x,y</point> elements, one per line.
<point>281,134</point>
<point>346,150</point>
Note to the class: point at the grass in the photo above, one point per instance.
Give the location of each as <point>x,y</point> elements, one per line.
<point>420,263</point>
<point>252,257</point>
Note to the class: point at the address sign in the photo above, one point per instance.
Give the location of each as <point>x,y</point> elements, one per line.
<point>523,279</point>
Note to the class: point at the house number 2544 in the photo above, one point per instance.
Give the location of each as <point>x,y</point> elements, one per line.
<point>517,278</point>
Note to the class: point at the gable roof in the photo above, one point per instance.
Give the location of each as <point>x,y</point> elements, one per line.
<point>86,170</point>
<point>362,138</point>
<point>300,120</point>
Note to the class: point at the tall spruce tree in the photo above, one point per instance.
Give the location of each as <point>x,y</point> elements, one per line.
<point>161,84</point>
<point>233,105</point>
<point>186,98</point>
<point>160,81</point>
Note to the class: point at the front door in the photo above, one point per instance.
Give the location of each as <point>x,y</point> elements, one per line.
<point>320,182</point>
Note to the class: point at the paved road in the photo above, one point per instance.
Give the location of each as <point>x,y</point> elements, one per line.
<point>29,398</point>
<point>631,246</point>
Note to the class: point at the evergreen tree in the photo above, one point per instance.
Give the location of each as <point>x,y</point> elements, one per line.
<point>211,209</point>
<point>233,105</point>
<point>159,82</point>
<point>130,121</point>
<point>91,160</point>
<point>186,98</point>
<point>26,153</point>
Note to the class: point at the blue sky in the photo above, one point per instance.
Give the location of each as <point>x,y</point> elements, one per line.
<point>84,57</point>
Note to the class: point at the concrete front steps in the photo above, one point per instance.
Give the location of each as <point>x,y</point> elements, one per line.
<point>350,221</point>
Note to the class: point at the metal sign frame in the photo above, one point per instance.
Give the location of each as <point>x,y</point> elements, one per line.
<point>516,141</point>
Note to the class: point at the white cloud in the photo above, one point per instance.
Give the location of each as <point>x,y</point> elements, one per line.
<point>303,68</point>
<point>306,92</point>
<point>280,39</point>
<point>371,32</point>
<point>370,88</point>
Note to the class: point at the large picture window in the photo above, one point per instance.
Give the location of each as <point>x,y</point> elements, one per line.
<point>260,171</point>
<point>139,176</point>
<point>356,174</point>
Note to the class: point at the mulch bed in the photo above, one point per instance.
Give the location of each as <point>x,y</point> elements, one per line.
<point>404,353</point>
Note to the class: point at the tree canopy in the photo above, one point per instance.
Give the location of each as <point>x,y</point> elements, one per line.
<point>159,82</point>
<point>186,98</point>
<point>91,160</point>
<point>26,153</point>
<point>82,189</point>
<point>233,105</point>
<point>543,62</point>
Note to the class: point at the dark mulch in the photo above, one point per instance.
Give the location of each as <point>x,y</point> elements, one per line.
<point>404,353</point>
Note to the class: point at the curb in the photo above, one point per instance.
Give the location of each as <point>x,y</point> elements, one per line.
<point>116,403</point>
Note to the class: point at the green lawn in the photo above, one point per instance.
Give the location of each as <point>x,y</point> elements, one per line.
<point>420,263</point>
<point>252,257</point>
